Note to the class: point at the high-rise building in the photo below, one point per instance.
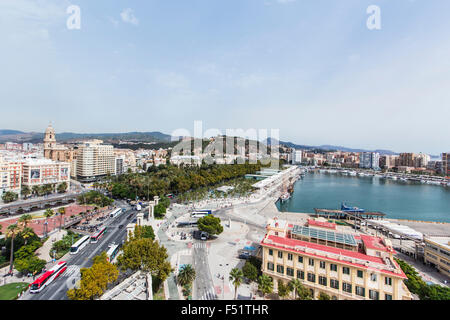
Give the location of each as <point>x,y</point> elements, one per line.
<point>369,160</point>
<point>421,160</point>
<point>296,156</point>
<point>446,163</point>
<point>94,160</point>
<point>406,160</point>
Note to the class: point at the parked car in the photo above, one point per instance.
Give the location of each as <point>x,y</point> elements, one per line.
<point>244,255</point>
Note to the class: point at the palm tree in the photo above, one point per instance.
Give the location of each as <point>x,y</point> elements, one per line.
<point>25,191</point>
<point>62,212</point>
<point>265,284</point>
<point>236,276</point>
<point>12,231</point>
<point>47,214</point>
<point>186,275</point>
<point>26,233</point>
<point>25,220</point>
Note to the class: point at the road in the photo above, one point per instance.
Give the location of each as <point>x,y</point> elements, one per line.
<point>58,288</point>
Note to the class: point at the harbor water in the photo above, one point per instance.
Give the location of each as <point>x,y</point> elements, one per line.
<point>397,199</point>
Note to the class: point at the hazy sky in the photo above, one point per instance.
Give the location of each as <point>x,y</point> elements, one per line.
<point>310,68</point>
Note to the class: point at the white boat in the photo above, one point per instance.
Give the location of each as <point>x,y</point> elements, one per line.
<point>352,173</point>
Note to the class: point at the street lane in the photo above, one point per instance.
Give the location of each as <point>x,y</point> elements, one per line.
<point>57,289</point>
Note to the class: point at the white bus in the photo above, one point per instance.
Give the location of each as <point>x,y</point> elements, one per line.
<point>95,237</point>
<point>200,213</point>
<point>48,276</point>
<point>80,244</point>
<point>115,213</point>
<point>112,252</point>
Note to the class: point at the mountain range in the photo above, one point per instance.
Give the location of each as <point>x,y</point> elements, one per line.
<point>157,137</point>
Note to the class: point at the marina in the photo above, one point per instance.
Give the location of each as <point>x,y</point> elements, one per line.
<point>398,200</point>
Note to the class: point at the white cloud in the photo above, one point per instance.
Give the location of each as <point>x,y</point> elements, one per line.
<point>128,16</point>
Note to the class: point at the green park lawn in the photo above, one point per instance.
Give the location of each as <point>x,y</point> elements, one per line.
<point>11,290</point>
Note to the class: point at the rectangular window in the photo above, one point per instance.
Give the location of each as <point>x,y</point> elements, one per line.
<point>373,276</point>
<point>280,254</point>
<point>333,267</point>
<point>359,273</point>
<point>311,277</point>
<point>311,262</point>
<point>280,269</point>
<point>334,284</point>
<point>290,272</point>
<point>388,281</point>
<point>270,252</point>
<point>300,275</point>
<point>290,256</point>
<point>347,287</point>
<point>387,297</point>
<point>345,270</point>
<point>270,266</point>
<point>322,264</point>
<point>360,291</point>
<point>374,295</point>
<point>300,259</point>
<point>323,280</point>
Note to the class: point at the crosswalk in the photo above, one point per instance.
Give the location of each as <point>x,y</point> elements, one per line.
<point>70,271</point>
<point>199,245</point>
<point>209,295</point>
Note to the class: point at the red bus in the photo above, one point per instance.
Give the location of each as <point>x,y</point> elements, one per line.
<point>48,276</point>
<point>95,237</point>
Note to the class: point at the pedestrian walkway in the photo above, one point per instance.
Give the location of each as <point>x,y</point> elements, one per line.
<point>44,252</point>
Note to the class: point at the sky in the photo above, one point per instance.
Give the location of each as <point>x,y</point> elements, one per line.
<point>311,69</point>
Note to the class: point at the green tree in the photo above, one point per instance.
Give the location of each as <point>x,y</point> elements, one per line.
<point>94,280</point>
<point>146,255</point>
<point>186,275</point>
<point>236,276</point>
<point>283,289</point>
<point>160,210</point>
<point>62,212</point>
<point>12,231</point>
<point>210,224</point>
<point>324,296</point>
<point>31,264</point>
<point>265,284</point>
<point>47,214</point>
<point>9,197</point>
<point>25,192</point>
<point>250,271</point>
<point>141,232</point>
<point>62,187</point>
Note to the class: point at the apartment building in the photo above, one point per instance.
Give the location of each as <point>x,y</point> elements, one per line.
<point>94,160</point>
<point>36,172</point>
<point>437,253</point>
<point>369,160</point>
<point>406,160</point>
<point>343,265</point>
<point>446,163</point>
<point>296,156</point>
<point>10,176</point>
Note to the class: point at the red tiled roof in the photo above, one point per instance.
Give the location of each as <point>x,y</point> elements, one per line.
<point>279,242</point>
<point>329,225</point>
<point>374,243</point>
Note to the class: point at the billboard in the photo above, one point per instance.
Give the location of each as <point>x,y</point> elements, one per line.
<point>64,173</point>
<point>35,174</point>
